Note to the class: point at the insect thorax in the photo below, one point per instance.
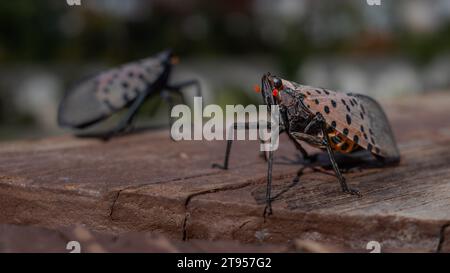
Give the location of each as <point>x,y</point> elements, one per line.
<point>295,116</point>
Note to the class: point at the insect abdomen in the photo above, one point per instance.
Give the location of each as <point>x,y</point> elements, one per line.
<point>340,143</point>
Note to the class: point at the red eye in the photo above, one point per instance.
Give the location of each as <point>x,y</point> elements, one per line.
<point>275,92</point>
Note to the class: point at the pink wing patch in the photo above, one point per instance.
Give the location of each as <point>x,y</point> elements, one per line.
<point>117,87</point>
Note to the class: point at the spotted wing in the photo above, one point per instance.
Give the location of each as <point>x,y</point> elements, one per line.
<point>380,126</point>
<point>98,97</point>
<point>358,117</point>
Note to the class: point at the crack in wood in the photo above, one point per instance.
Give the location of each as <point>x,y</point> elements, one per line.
<point>137,187</point>
<point>184,229</point>
<point>189,198</point>
<point>442,237</point>
<point>215,190</point>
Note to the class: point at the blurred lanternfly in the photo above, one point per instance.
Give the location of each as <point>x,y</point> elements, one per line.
<point>128,86</point>
<point>335,122</point>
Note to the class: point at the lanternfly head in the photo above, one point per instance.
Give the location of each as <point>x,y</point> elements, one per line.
<point>277,86</point>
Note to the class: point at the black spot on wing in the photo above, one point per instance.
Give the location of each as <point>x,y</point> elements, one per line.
<point>333,103</point>
<point>363,109</point>
<point>326,109</point>
<point>345,131</point>
<point>142,78</point>
<point>349,119</point>
<point>378,124</point>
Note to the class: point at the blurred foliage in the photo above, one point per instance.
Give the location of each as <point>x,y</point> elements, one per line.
<point>422,48</point>
<point>286,32</point>
<point>40,31</point>
<point>233,95</point>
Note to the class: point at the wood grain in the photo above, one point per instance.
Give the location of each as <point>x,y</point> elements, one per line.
<point>146,182</point>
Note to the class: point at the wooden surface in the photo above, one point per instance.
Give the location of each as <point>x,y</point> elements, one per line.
<point>147,183</point>
<point>30,239</point>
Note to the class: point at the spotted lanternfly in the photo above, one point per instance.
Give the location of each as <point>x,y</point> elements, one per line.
<point>335,122</point>
<point>130,85</point>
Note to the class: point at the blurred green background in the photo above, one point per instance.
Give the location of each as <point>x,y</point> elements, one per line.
<point>396,49</point>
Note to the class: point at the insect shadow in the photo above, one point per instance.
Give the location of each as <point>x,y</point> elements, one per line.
<point>130,131</point>
<point>349,163</point>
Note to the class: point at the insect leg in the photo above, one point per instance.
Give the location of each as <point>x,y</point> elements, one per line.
<point>253,125</point>
<point>165,95</point>
<point>302,150</point>
<point>268,208</point>
<point>238,125</point>
<point>313,140</point>
<point>178,93</point>
<point>316,122</point>
<point>128,118</point>
<point>305,155</point>
<point>341,179</point>
<point>299,147</point>
<point>263,154</point>
<point>176,89</point>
